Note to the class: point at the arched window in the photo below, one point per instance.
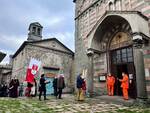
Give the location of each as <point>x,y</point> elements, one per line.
<point>39,31</point>
<point>33,30</point>
<point>110,6</point>
<point>117,4</point>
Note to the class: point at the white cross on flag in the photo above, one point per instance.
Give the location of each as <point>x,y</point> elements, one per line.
<point>32,70</point>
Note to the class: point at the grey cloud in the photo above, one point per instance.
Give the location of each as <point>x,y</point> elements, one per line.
<point>11,43</point>
<point>20,13</point>
<point>57,17</point>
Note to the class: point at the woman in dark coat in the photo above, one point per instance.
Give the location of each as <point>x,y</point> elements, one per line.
<point>16,85</point>
<point>13,88</point>
<point>55,86</point>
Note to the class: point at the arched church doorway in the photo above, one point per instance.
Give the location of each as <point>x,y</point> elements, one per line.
<point>112,42</point>
<point>122,60</point>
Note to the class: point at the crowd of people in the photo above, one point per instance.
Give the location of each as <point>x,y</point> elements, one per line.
<point>58,85</point>
<point>15,89</point>
<point>10,90</point>
<point>110,84</point>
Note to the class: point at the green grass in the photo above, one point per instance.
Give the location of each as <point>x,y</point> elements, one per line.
<point>23,106</point>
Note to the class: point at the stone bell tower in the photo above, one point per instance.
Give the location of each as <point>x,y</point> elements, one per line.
<point>35,31</point>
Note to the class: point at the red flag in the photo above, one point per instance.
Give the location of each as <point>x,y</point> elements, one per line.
<point>29,76</point>
<point>32,70</point>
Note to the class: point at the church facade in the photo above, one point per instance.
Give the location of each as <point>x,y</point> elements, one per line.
<point>55,58</point>
<point>113,36</point>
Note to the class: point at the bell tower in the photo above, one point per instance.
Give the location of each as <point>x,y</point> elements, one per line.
<point>35,31</point>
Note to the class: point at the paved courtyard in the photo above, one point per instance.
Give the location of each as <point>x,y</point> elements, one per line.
<point>66,105</point>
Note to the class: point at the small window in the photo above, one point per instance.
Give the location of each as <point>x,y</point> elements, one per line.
<point>130,59</point>
<point>39,31</point>
<point>118,5</point>
<point>110,6</point>
<point>33,30</point>
<point>123,51</point>
<point>122,56</point>
<point>124,59</point>
<point>118,52</point>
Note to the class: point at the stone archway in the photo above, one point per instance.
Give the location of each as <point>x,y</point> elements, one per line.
<point>121,39</point>
<point>121,59</point>
<point>115,35</point>
<point>131,18</point>
<point>101,35</point>
<point>104,41</point>
<point>109,27</point>
<point>99,39</point>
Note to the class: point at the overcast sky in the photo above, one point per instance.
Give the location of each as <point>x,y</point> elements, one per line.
<point>56,17</point>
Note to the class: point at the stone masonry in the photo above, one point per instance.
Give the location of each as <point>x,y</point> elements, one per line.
<point>88,15</point>
<point>54,56</point>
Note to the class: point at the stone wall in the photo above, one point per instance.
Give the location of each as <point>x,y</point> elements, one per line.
<point>51,44</point>
<point>87,14</point>
<point>5,73</point>
<point>19,65</point>
<point>90,11</point>
<point>48,58</point>
<point>147,67</point>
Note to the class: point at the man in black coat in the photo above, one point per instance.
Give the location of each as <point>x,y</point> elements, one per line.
<point>5,90</point>
<point>55,86</point>
<point>60,85</point>
<point>42,88</point>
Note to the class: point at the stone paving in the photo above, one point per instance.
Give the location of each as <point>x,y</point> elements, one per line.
<point>66,105</point>
<point>70,105</point>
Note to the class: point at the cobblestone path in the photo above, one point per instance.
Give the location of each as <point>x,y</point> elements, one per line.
<point>66,105</point>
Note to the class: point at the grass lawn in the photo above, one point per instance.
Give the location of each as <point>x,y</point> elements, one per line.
<point>9,105</point>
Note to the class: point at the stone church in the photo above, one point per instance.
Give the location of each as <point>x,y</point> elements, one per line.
<point>55,57</point>
<point>113,36</point>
